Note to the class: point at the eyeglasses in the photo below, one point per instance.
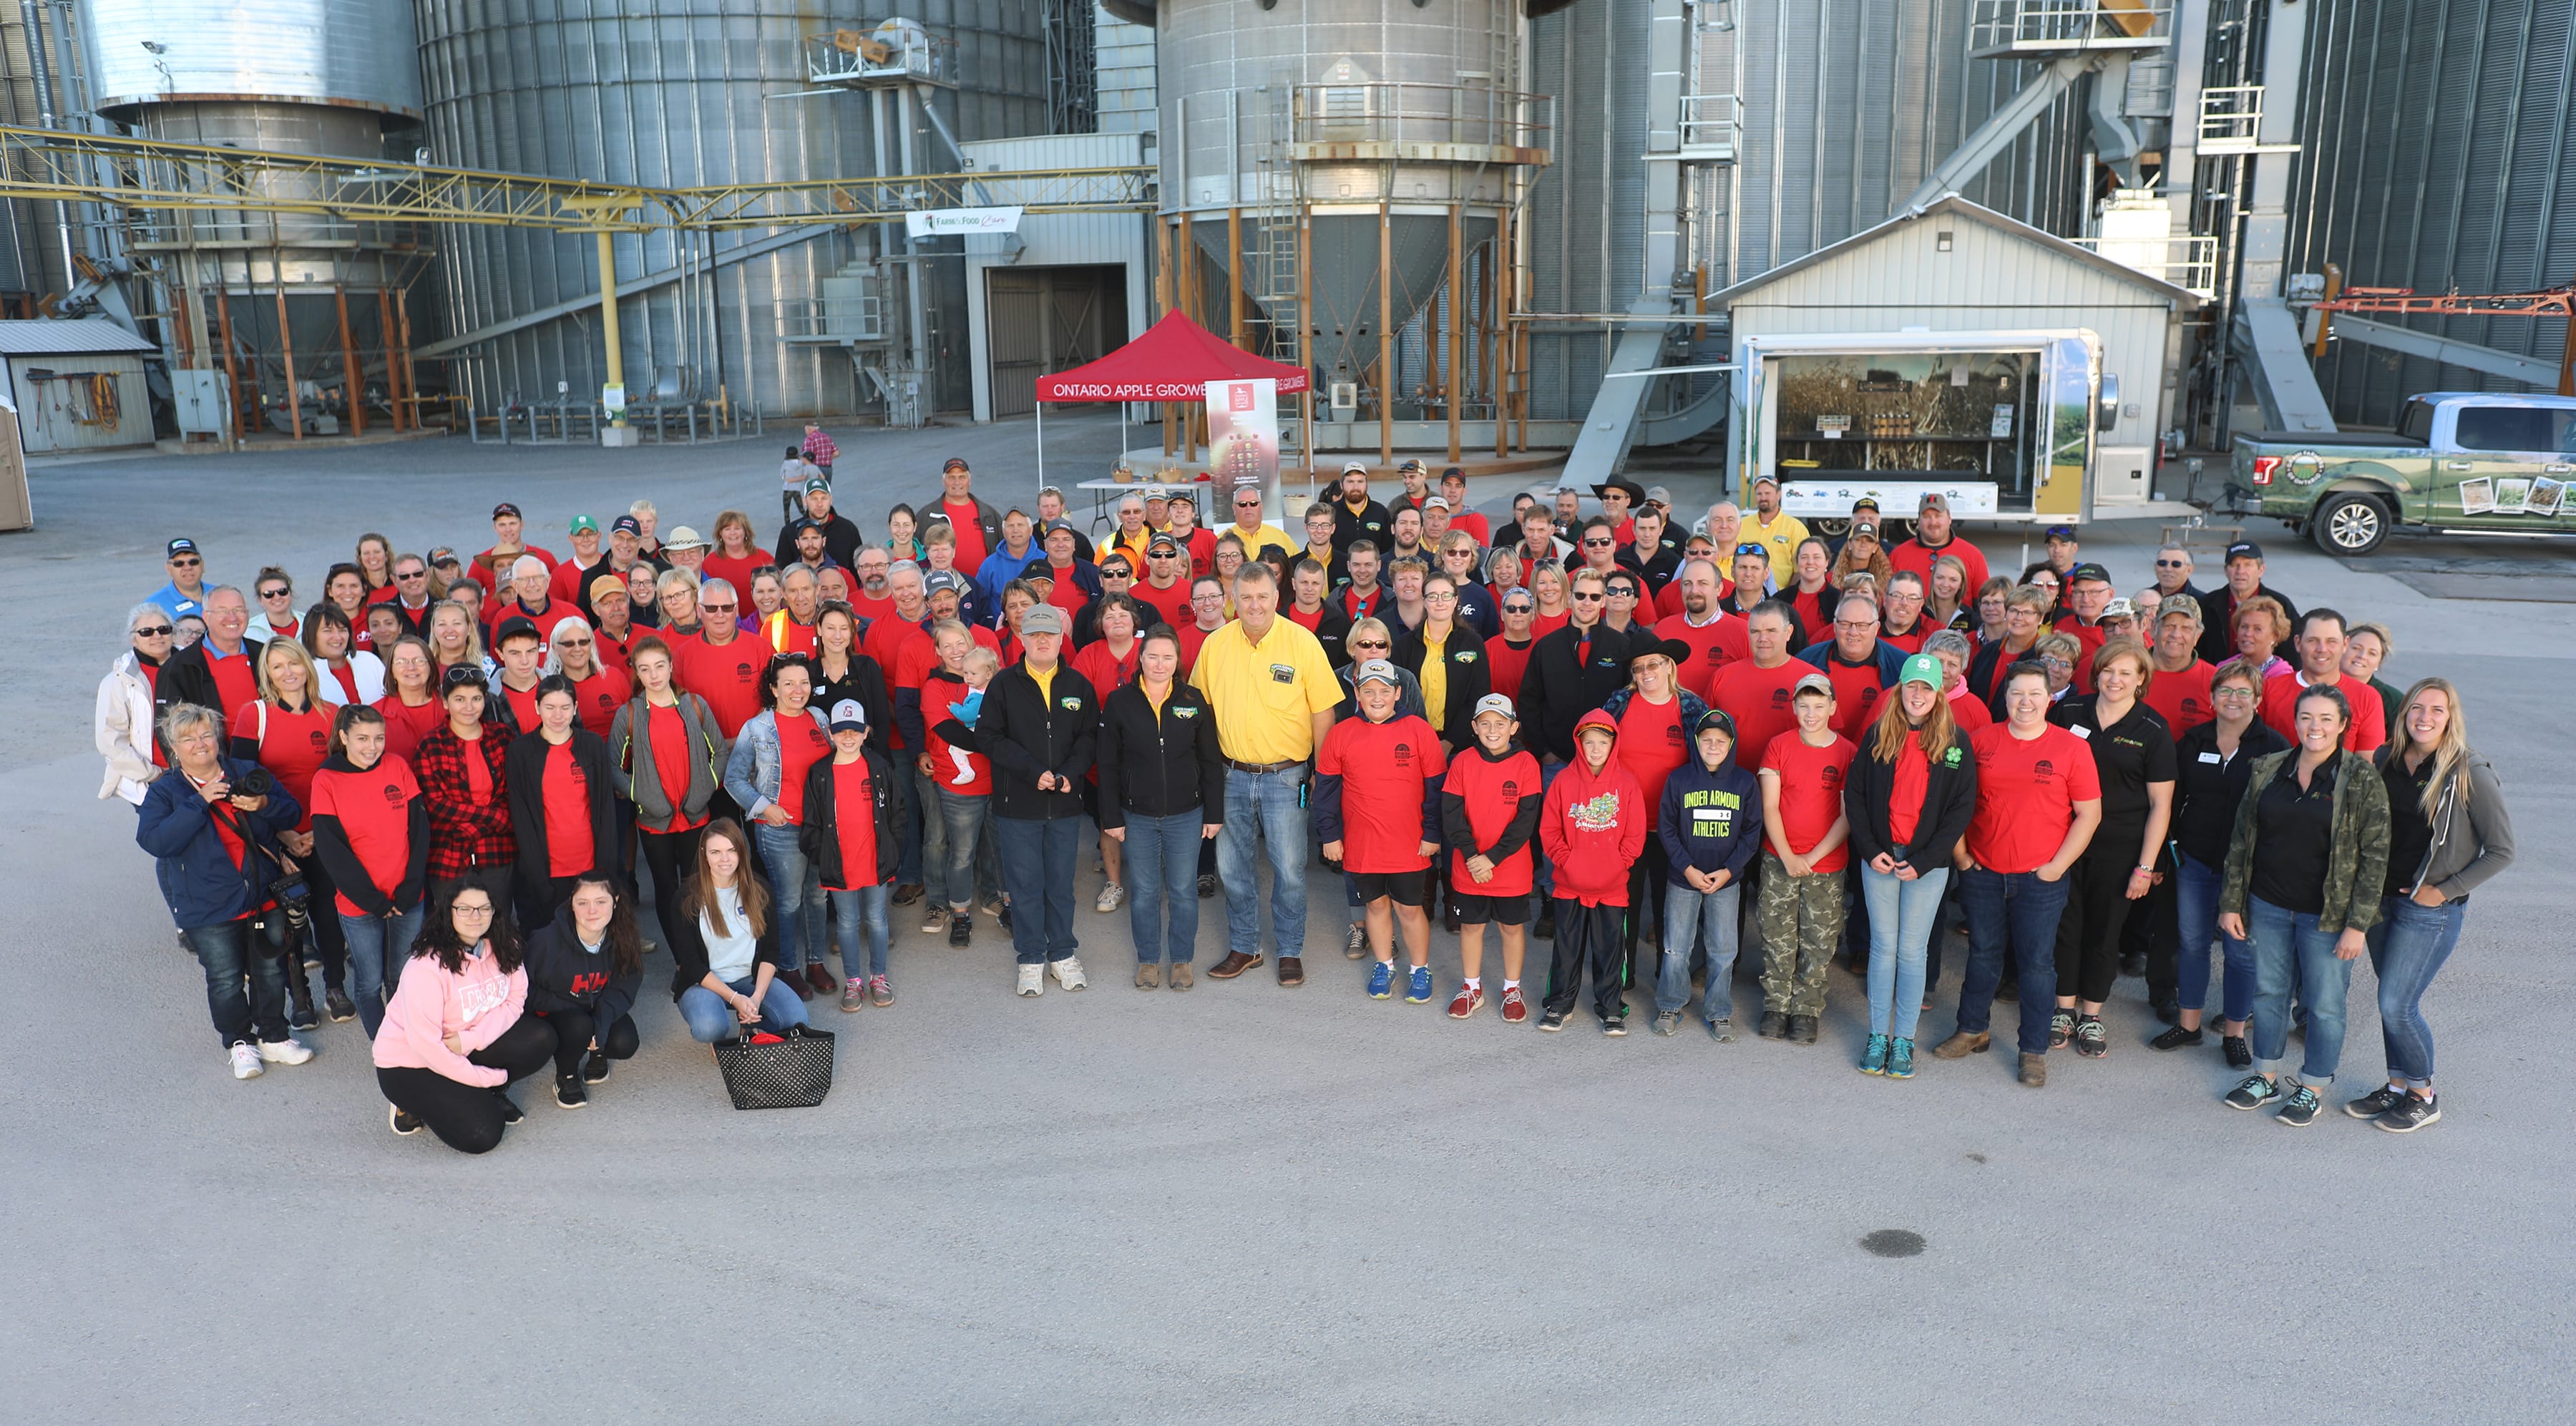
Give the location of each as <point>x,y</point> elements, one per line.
<point>1585,596</point>
<point>1436,596</point>
<point>154,631</point>
<point>462,909</point>
<point>2171,564</point>
<point>2232,691</point>
<point>2054,662</point>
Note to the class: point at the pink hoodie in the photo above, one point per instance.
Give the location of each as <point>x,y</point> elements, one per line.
<point>430,1004</point>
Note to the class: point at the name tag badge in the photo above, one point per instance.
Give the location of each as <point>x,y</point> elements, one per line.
<point>1283,673</point>
<point>2209,757</point>
<point>2081,731</point>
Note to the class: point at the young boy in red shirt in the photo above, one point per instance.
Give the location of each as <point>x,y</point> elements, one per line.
<point>1592,825</point>
<point>1803,854</point>
<point>1383,825</point>
<point>1489,807</point>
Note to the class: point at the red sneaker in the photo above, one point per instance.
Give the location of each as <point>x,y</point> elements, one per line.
<point>1515,1009</point>
<point>1470,1000</point>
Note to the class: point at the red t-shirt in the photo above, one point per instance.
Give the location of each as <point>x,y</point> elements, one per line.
<point>236,681</point>
<point>523,705</point>
<point>2182,698</point>
<point>1104,669</point>
<point>1905,791</point>
<point>345,675</point>
<point>374,808</point>
<point>2089,639</point>
<point>565,585</point>
<point>1652,742</point>
<point>727,677</point>
<point>971,548</point>
<point>1668,600</point>
<point>966,774</point>
<point>1065,593</point>
<point>789,637</point>
<point>1758,700</point>
<point>1360,606</point>
<point>1811,795</point>
<point>234,846</point>
<point>1714,645</point>
<point>481,568</point>
<point>565,790</point>
<point>1474,524</point>
<point>1172,604</point>
<point>2026,795</point>
<point>1911,640</point>
<point>1910,554</point>
<point>735,570</point>
<point>1382,767</point>
<point>1202,547</point>
<point>1855,689</point>
<point>1506,662</point>
<point>597,698</point>
<point>671,763</point>
<point>801,744</point>
<point>406,725</point>
<point>854,816</point>
<point>478,773</point>
<point>1492,792</point>
<point>1542,625</point>
<point>1191,638</point>
<point>890,641</point>
<point>291,746</point>
<point>2281,691</point>
<point>611,649</point>
<point>872,610</point>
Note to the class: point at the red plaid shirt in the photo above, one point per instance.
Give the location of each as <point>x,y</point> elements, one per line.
<point>462,836</point>
<point>819,448</point>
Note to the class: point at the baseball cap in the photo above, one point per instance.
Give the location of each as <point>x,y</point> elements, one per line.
<point>1411,463</point>
<point>1816,681</point>
<point>939,579</point>
<point>1060,523</point>
<point>1864,530</point>
<point>182,546</point>
<point>1596,719</point>
<point>1435,500</point>
<point>814,483</point>
<point>438,555</point>
<point>849,717</point>
<point>626,525</point>
<point>1044,619</point>
<point>2244,550</point>
<point>1161,544</point>
<point>1658,495</point>
<point>684,538</point>
<point>954,463</point>
<point>2090,571</point>
<point>1869,502</point>
<point>584,522</point>
<point>1495,703</point>
<point>1770,480</point>
<point>604,586</point>
<point>1352,465</point>
<point>2061,532</point>
<point>1919,668</point>
<point>1038,568</point>
<point>1376,671</point>
<point>1717,718</point>
<point>2120,608</point>
<point>1934,500</point>
<point>505,508</point>
<point>513,627</point>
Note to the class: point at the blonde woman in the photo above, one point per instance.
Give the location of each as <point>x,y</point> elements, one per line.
<point>454,642</point>
<point>287,731</point>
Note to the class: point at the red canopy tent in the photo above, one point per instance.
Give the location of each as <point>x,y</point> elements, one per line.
<point>1173,361</point>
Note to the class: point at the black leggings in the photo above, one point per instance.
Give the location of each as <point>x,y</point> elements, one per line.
<point>574,1030</point>
<point>331,947</point>
<point>467,1117</point>
<point>2097,906</point>
<point>670,856</point>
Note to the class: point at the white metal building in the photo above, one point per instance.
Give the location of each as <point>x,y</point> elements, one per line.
<point>78,385</point>
<point>2016,299</point>
<point>1062,290</point>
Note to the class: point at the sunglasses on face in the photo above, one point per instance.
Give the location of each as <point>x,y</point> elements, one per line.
<point>154,631</point>
<point>1598,544</point>
<point>186,563</point>
<point>275,593</point>
<point>2169,564</point>
<point>719,608</point>
<point>1368,643</point>
<point>1585,596</point>
<point>1520,608</point>
<point>572,643</point>
<point>1621,591</point>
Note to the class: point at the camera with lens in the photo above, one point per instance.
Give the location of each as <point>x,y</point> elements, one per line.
<point>256,782</point>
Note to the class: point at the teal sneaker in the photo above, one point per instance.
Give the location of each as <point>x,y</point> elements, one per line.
<point>1417,986</point>
<point>1381,981</point>
<point>1900,1059</point>
<point>1873,1057</point>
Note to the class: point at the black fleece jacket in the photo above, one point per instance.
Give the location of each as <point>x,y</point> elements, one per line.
<point>1027,731</point>
<point>563,974</point>
<point>820,837</point>
<point>524,768</point>
<point>1949,803</point>
<point>1159,765</point>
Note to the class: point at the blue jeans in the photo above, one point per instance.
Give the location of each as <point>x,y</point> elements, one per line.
<point>1705,919</point>
<point>795,895</point>
<point>378,946</point>
<point>2196,916</point>
<point>1265,815</point>
<point>1037,867</point>
<point>2407,948</point>
<point>2015,914</point>
<point>1902,917</point>
<point>1162,869</point>
<point>230,959</point>
<point>2290,953</point>
<point>861,917</point>
<point>711,1019</point>
<point>949,839</point>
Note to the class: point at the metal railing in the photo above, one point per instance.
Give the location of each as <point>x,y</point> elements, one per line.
<point>2030,28</point>
<point>1711,125</point>
<point>2231,118</point>
<point>1395,114</point>
<point>2188,263</point>
<point>894,52</point>
<point>833,319</point>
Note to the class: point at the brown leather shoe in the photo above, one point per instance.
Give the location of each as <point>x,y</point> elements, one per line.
<point>1234,964</point>
<point>906,894</point>
<point>821,978</point>
<point>1962,1045</point>
<point>2034,1070</point>
<point>795,980</point>
<point>1292,970</point>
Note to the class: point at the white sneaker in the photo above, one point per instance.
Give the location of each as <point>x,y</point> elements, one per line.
<point>246,1063</point>
<point>1032,980</point>
<point>289,1051</point>
<point>1110,897</point>
<point>1068,972</point>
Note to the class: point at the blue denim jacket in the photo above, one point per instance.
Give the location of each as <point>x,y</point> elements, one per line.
<point>751,774</point>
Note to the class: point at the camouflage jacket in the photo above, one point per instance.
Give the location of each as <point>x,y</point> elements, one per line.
<point>2357,860</point>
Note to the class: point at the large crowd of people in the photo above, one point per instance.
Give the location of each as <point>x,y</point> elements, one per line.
<point>449,784</point>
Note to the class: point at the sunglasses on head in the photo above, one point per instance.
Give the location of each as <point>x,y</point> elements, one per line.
<point>1752,549</point>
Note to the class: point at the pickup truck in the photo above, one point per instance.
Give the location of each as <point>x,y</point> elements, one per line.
<point>2459,463</point>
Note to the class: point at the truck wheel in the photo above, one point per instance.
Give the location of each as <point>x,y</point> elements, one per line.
<point>2349,525</point>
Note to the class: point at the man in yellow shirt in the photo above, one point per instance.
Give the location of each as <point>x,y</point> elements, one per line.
<point>1256,533</point>
<point>1274,694</point>
<point>1769,524</point>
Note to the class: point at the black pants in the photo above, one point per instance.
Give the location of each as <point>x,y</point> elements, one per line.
<point>672,858</point>
<point>2153,932</point>
<point>1586,935</point>
<point>467,1117</point>
<point>539,898</point>
<point>575,1029</point>
<point>2097,905</point>
<point>1645,908</point>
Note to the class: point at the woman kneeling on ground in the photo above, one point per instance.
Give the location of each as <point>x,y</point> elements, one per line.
<point>583,972</point>
<point>454,1036</point>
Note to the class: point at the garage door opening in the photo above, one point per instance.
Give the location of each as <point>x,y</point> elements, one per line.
<point>1047,319</point>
